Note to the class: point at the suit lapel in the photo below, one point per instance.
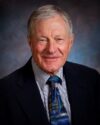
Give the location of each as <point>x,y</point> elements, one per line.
<point>29,97</point>
<point>73,93</point>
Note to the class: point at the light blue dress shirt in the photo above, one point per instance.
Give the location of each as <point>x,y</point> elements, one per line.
<point>41,78</point>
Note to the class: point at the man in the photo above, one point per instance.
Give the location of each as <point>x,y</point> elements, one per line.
<point>24,94</point>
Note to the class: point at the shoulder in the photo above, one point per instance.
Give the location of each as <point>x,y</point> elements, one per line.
<point>81,71</point>
<point>17,75</point>
<point>78,67</point>
<point>19,79</point>
<point>9,82</point>
<point>12,75</point>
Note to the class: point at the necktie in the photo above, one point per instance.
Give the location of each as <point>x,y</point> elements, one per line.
<point>58,114</point>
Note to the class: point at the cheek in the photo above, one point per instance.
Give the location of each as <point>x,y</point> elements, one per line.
<point>65,49</point>
<point>37,50</point>
<point>65,53</point>
<point>68,47</point>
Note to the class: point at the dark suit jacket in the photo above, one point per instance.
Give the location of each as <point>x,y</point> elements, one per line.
<point>21,104</point>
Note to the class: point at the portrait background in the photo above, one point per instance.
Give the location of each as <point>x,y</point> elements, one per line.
<point>14,49</point>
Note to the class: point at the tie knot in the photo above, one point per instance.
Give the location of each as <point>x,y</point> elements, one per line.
<point>54,79</point>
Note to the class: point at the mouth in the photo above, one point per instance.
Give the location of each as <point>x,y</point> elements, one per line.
<point>51,58</point>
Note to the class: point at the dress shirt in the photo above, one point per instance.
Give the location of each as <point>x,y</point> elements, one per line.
<point>41,78</point>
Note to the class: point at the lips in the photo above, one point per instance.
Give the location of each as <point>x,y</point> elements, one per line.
<point>51,58</point>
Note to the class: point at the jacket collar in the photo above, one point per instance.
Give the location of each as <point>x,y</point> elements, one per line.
<point>29,97</point>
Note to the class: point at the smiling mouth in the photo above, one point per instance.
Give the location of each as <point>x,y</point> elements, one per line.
<point>51,59</point>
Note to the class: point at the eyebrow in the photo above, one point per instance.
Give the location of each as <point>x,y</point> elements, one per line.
<point>41,37</point>
<point>58,36</point>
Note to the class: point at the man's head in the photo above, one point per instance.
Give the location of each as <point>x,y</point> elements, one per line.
<point>50,37</point>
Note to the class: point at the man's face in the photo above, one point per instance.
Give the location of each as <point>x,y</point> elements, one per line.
<point>51,43</point>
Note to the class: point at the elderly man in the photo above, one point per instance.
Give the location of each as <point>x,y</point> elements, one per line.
<point>48,90</point>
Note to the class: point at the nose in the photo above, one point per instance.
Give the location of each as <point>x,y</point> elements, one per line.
<point>51,47</point>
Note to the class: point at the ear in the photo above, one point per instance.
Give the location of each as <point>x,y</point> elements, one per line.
<point>29,41</point>
<point>71,41</point>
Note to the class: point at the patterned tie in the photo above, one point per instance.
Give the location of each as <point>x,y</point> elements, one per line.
<point>57,112</point>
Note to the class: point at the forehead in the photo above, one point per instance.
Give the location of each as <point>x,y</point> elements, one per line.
<point>54,23</point>
<point>52,19</point>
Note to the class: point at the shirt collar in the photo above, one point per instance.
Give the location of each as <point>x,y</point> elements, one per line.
<point>41,77</point>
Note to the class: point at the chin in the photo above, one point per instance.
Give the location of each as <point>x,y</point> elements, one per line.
<point>51,69</point>
<point>51,72</point>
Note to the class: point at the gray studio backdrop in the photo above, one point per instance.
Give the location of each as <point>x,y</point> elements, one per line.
<point>14,49</point>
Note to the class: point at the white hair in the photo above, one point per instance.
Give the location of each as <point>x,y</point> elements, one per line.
<point>44,12</point>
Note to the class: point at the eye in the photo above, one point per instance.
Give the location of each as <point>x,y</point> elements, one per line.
<point>60,40</point>
<point>42,40</point>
